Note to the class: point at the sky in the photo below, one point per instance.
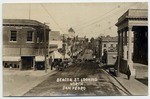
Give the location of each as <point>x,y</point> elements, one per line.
<point>87,19</point>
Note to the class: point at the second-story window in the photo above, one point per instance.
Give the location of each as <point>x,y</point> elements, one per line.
<point>104,45</point>
<point>30,36</point>
<point>111,45</point>
<point>13,36</point>
<point>116,45</point>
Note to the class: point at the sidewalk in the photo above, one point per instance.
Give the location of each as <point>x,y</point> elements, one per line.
<point>36,73</point>
<point>133,86</point>
<point>16,82</point>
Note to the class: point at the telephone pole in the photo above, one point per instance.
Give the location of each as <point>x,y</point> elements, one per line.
<point>45,45</point>
<point>29,10</point>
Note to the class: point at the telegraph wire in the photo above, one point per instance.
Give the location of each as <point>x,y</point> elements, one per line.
<point>110,16</point>
<point>95,18</point>
<point>113,25</point>
<point>52,17</point>
<point>29,11</point>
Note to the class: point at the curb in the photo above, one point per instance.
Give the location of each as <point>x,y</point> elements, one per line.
<point>50,73</point>
<point>129,93</point>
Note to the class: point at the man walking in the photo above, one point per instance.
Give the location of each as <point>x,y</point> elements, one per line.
<point>104,58</point>
<point>128,73</point>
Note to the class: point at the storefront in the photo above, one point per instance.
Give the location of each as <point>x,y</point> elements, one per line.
<point>11,61</point>
<point>39,62</point>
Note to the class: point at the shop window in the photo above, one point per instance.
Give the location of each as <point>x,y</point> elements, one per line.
<point>15,65</point>
<point>10,65</point>
<point>5,65</point>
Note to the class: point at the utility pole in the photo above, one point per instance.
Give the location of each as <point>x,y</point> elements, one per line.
<point>99,48</point>
<point>29,10</point>
<point>45,45</point>
<point>64,50</point>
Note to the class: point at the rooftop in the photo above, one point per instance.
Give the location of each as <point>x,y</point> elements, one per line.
<point>55,35</point>
<point>109,38</point>
<point>141,14</point>
<point>23,22</point>
<point>71,30</point>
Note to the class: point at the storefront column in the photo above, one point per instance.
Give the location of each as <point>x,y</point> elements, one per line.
<point>34,64</point>
<point>20,64</point>
<point>125,45</point>
<point>130,49</point>
<point>119,48</point>
<point>121,43</point>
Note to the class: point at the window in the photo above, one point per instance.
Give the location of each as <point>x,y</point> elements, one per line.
<point>104,45</point>
<point>111,45</point>
<point>30,36</point>
<point>13,36</point>
<point>116,45</point>
<point>15,65</point>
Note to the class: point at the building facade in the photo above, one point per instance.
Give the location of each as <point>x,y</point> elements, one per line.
<point>55,39</point>
<point>109,44</point>
<point>24,43</point>
<point>133,24</point>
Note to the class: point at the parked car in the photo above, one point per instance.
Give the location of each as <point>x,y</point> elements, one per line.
<point>60,66</point>
<point>40,66</point>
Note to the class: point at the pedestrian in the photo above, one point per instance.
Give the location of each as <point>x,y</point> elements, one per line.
<point>52,65</point>
<point>104,58</point>
<point>128,73</point>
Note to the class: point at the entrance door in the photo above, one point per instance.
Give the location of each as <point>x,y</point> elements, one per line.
<point>141,45</point>
<point>27,62</point>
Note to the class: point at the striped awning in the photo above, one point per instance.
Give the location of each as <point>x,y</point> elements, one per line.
<point>39,58</point>
<point>11,58</point>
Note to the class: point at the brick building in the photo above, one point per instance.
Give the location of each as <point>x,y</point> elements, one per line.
<point>24,43</point>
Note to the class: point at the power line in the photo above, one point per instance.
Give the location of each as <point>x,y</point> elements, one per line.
<point>29,11</point>
<point>110,16</point>
<point>93,22</point>
<point>95,18</point>
<point>113,25</point>
<point>52,17</point>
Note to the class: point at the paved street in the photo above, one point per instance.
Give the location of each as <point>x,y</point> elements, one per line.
<point>103,86</point>
<point>87,54</point>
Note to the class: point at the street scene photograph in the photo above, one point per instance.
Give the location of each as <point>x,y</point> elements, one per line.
<point>75,49</point>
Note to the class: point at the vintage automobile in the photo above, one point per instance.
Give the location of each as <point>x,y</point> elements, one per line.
<point>60,66</point>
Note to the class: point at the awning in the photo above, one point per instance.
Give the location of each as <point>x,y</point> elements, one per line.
<point>56,54</point>
<point>11,58</point>
<point>39,58</point>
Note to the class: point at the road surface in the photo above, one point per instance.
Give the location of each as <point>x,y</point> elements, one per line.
<point>92,81</point>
